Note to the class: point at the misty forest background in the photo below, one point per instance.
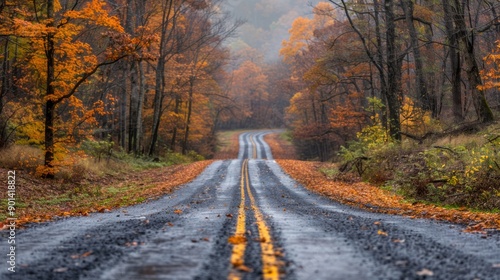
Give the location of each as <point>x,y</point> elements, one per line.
<point>401,93</point>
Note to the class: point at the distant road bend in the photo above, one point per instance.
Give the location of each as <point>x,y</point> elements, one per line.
<point>246,219</point>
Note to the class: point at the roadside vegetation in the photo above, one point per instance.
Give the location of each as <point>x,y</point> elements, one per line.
<point>456,169</point>
<point>384,177</point>
<point>281,145</point>
<point>392,103</point>
<point>227,144</point>
<point>96,178</point>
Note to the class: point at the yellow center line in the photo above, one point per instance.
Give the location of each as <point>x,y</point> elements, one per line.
<point>254,147</point>
<point>239,239</point>
<point>270,268</point>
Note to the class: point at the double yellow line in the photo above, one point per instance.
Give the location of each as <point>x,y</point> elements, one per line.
<point>270,270</point>
<point>254,147</point>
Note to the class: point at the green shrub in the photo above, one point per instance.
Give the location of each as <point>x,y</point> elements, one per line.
<point>463,173</point>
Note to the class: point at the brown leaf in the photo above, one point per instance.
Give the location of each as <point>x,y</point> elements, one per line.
<point>86,254</point>
<point>178,211</point>
<point>237,239</point>
<point>244,268</point>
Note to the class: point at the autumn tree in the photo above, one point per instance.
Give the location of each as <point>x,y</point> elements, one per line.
<point>64,54</point>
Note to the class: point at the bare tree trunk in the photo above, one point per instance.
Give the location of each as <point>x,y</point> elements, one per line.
<point>160,75</point>
<point>380,61</point>
<point>467,38</point>
<point>393,72</point>
<point>133,76</point>
<point>421,87</point>
<point>455,61</point>
<point>49,94</point>
<point>3,93</point>
<point>140,104</point>
<point>188,117</point>
<point>174,133</point>
<point>133,106</point>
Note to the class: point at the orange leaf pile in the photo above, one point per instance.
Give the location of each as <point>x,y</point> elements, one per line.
<point>374,199</point>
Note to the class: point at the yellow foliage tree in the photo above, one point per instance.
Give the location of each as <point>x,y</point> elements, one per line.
<point>65,48</point>
<point>491,76</point>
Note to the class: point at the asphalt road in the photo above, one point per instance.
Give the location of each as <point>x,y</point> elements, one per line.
<point>246,219</point>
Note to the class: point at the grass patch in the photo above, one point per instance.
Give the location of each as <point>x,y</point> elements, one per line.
<point>54,201</point>
<point>228,144</point>
<point>96,192</point>
<point>281,145</point>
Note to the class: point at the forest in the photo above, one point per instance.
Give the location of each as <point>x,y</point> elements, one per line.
<point>88,78</point>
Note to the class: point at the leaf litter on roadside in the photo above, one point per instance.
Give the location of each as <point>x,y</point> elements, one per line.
<point>148,184</point>
<point>374,199</point>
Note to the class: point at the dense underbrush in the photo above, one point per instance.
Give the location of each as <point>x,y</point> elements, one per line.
<point>454,170</point>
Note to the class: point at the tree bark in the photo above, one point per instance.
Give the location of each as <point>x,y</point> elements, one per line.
<point>174,133</point>
<point>467,37</point>
<point>140,104</point>
<point>188,117</point>
<point>134,84</point>
<point>3,93</point>
<point>424,99</point>
<point>160,76</point>
<point>49,95</point>
<point>455,61</point>
<point>393,72</point>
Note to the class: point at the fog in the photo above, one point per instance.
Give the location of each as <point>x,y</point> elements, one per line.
<point>267,23</point>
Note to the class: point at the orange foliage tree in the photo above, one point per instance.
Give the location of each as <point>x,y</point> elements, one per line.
<point>65,47</point>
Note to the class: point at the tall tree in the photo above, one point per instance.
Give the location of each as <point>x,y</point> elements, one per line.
<point>68,59</point>
<point>467,37</point>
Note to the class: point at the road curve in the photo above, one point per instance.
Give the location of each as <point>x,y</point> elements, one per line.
<point>246,219</point>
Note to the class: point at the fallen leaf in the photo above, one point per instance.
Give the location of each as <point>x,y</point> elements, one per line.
<point>170,224</point>
<point>229,215</point>
<point>377,223</point>
<point>262,240</point>
<point>178,211</point>
<point>237,239</point>
<point>398,240</point>
<point>381,232</point>
<point>244,268</point>
<point>425,272</point>
<point>86,254</point>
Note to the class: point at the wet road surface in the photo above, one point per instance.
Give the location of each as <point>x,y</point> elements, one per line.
<point>246,219</point>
